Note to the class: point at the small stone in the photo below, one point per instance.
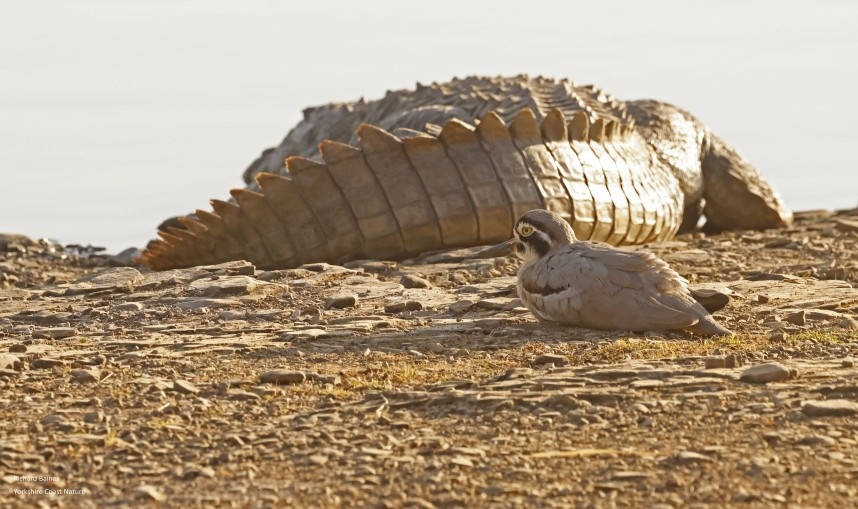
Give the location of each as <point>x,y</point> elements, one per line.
<point>149,492</point>
<point>129,306</point>
<point>639,407</point>
<point>712,299</point>
<point>85,375</point>
<point>18,348</point>
<point>547,358</point>
<point>185,387</point>
<point>461,306</point>
<point>325,379</point>
<point>765,373</point>
<point>282,376</point>
<point>224,286</point>
<point>239,395</point>
<point>10,362</point>
<point>341,301</point>
<point>46,363</point>
<point>195,303</point>
<point>94,417</point>
<point>829,408</point>
<point>733,361</point>
<point>763,299</point>
<point>53,419</point>
<point>412,281</point>
<point>847,363</point>
<point>797,318</point>
<point>817,440</point>
<point>55,332</point>
<point>848,323</point>
<point>398,307</point>
<point>318,459</point>
<point>688,457</point>
<point>715,363</point>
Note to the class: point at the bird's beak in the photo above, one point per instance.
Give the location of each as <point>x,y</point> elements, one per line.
<point>503,249</point>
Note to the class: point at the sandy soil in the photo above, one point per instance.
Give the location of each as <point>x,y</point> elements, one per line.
<point>424,383</point>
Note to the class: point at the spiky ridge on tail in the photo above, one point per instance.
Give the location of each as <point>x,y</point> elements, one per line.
<point>391,197</point>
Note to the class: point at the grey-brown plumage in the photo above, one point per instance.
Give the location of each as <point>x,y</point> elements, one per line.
<point>595,285</point>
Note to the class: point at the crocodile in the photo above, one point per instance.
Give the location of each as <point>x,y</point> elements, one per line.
<point>452,164</point>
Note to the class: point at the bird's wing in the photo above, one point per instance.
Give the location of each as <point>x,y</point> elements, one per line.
<point>611,288</point>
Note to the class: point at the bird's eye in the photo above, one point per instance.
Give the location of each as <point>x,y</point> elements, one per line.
<point>525,230</point>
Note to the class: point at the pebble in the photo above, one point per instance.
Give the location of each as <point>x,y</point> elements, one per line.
<point>10,362</point>
<point>18,348</point>
<point>224,286</point>
<point>45,363</point>
<point>282,376</point>
<point>343,301</point>
<point>765,373</point>
<point>129,306</point>
<point>715,363</point>
<point>185,387</point>
<point>797,318</point>
<point>461,306</point>
<point>829,408</point>
<point>848,323</point>
<point>846,363</point>
<point>149,492</point>
<point>192,303</point>
<point>85,375</point>
<point>412,281</point>
<point>688,457</point>
<point>398,307</point>
<point>817,440</point>
<point>55,332</point>
<point>94,417</point>
<point>548,358</point>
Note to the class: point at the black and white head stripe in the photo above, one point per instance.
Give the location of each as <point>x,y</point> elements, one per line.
<point>533,236</point>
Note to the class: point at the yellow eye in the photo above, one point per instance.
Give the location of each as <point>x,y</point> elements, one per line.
<point>526,230</point>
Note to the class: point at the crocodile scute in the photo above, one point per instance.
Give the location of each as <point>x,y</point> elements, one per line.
<point>452,164</point>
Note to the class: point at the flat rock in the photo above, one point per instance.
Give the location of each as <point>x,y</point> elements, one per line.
<point>342,301</point>
<point>797,318</point>
<point>112,277</point>
<point>128,306</point>
<point>557,360</point>
<point>412,281</point>
<point>55,332</point>
<point>46,363</point>
<point>184,387</point>
<point>398,307</point>
<point>202,302</point>
<point>85,375</point>
<point>765,373</point>
<point>282,376</point>
<point>830,408</point>
<point>233,268</point>
<point>225,286</point>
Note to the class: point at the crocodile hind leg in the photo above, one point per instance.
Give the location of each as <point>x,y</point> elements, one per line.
<point>737,196</point>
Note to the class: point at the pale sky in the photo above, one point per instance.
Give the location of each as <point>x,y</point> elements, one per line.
<point>117,114</point>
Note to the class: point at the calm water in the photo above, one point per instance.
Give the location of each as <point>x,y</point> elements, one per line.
<point>116,115</point>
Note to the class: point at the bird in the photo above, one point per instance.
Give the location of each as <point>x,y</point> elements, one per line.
<point>595,285</point>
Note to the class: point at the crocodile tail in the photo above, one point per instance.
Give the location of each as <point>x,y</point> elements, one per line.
<point>391,197</point>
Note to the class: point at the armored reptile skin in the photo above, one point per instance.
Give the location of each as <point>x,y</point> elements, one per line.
<point>453,164</point>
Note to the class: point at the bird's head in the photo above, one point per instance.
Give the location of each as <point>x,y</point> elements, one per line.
<point>535,234</point>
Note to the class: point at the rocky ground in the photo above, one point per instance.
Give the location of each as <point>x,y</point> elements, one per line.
<point>425,384</point>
